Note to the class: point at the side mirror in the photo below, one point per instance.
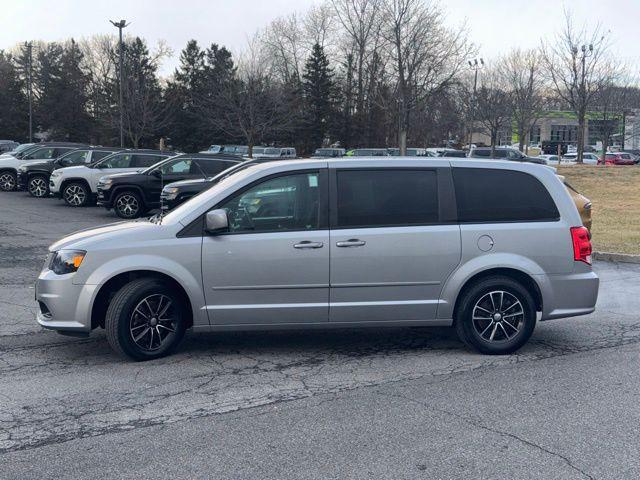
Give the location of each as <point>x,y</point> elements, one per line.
<point>216,221</point>
<point>156,173</point>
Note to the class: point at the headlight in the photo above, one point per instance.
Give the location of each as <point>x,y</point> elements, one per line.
<point>170,193</point>
<point>67,261</point>
<point>55,173</point>
<point>22,169</point>
<point>106,183</point>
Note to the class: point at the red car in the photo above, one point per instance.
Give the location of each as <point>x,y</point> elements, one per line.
<point>618,158</point>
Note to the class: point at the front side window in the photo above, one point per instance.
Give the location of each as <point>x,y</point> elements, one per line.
<point>378,198</point>
<point>493,195</point>
<point>40,153</point>
<point>122,160</point>
<point>179,166</point>
<point>287,203</point>
<point>144,161</point>
<point>74,158</point>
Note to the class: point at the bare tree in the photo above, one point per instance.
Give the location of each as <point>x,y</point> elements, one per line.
<point>285,49</point>
<point>521,72</point>
<point>360,21</point>
<point>577,66</point>
<point>493,107</point>
<point>426,56</point>
<point>611,102</point>
<point>252,106</point>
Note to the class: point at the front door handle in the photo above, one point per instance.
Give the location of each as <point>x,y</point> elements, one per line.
<point>352,242</point>
<point>308,244</point>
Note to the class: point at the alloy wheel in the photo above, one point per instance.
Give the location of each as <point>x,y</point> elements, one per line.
<point>153,322</point>
<point>127,205</point>
<point>75,195</point>
<point>498,316</point>
<point>7,181</point>
<point>38,187</point>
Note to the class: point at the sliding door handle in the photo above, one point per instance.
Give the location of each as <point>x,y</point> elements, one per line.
<point>308,244</point>
<point>353,242</point>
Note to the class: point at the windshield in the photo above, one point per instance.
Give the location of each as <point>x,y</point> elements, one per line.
<point>28,150</point>
<point>21,148</point>
<point>161,163</point>
<point>219,181</point>
<point>76,157</point>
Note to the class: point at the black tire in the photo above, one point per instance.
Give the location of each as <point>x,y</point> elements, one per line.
<point>126,320</point>
<point>76,194</point>
<point>495,316</point>
<point>38,186</point>
<point>8,181</point>
<point>128,204</point>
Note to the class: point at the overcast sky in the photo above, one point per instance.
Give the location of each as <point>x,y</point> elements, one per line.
<point>494,25</point>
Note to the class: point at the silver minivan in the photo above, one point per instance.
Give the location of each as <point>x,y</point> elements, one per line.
<point>488,247</point>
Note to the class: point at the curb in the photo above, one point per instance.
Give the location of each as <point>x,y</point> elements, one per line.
<point>616,257</point>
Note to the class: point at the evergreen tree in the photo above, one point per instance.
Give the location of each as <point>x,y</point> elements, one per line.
<point>182,92</point>
<point>72,120</point>
<point>319,94</point>
<point>13,102</point>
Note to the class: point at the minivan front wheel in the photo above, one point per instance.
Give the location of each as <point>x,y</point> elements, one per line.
<point>496,316</point>
<point>145,320</point>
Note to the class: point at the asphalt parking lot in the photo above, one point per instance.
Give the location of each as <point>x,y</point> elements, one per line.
<point>392,403</point>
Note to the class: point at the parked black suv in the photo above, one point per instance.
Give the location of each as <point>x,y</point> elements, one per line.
<point>502,153</point>
<point>179,192</point>
<point>133,194</point>
<point>34,177</point>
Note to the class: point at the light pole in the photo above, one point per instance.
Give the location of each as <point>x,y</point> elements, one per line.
<point>29,49</point>
<point>475,65</point>
<point>120,25</point>
<point>587,51</point>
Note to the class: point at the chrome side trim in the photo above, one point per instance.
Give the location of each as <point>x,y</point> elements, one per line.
<point>320,305</point>
<point>270,287</point>
<point>383,284</point>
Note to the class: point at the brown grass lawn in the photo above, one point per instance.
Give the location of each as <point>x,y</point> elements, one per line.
<point>615,195</point>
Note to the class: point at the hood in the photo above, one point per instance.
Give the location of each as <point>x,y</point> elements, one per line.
<point>85,238</point>
<point>125,175</point>
<point>73,170</point>
<point>195,182</point>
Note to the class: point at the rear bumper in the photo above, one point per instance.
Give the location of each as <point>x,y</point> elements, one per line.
<point>569,295</point>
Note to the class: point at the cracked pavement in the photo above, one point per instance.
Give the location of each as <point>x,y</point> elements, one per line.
<point>388,403</point>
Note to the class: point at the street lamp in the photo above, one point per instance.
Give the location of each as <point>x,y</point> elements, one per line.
<point>475,65</point>
<point>120,25</point>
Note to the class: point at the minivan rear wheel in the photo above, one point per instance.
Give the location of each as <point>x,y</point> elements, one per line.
<point>145,320</point>
<point>496,316</point>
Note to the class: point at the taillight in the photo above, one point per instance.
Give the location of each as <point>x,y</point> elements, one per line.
<point>581,244</point>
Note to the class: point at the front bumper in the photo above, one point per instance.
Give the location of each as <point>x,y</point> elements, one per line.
<point>54,185</point>
<point>63,305</point>
<point>104,197</point>
<point>569,295</point>
<point>23,179</point>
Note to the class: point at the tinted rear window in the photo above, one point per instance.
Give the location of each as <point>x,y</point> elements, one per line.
<point>376,198</point>
<point>492,195</point>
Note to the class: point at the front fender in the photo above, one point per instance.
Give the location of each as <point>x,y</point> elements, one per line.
<point>479,264</point>
<point>173,268</point>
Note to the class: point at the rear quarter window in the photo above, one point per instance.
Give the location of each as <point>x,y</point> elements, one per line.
<point>494,195</point>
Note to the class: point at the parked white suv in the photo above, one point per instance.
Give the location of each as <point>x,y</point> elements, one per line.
<point>9,165</point>
<point>77,186</point>
<point>275,152</point>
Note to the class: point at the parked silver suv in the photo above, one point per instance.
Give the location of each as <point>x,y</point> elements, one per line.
<point>485,246</point>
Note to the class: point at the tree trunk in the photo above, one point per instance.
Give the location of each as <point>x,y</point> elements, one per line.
<point>494,139</point>
<point>580,146</point>
<point>402,136</point>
